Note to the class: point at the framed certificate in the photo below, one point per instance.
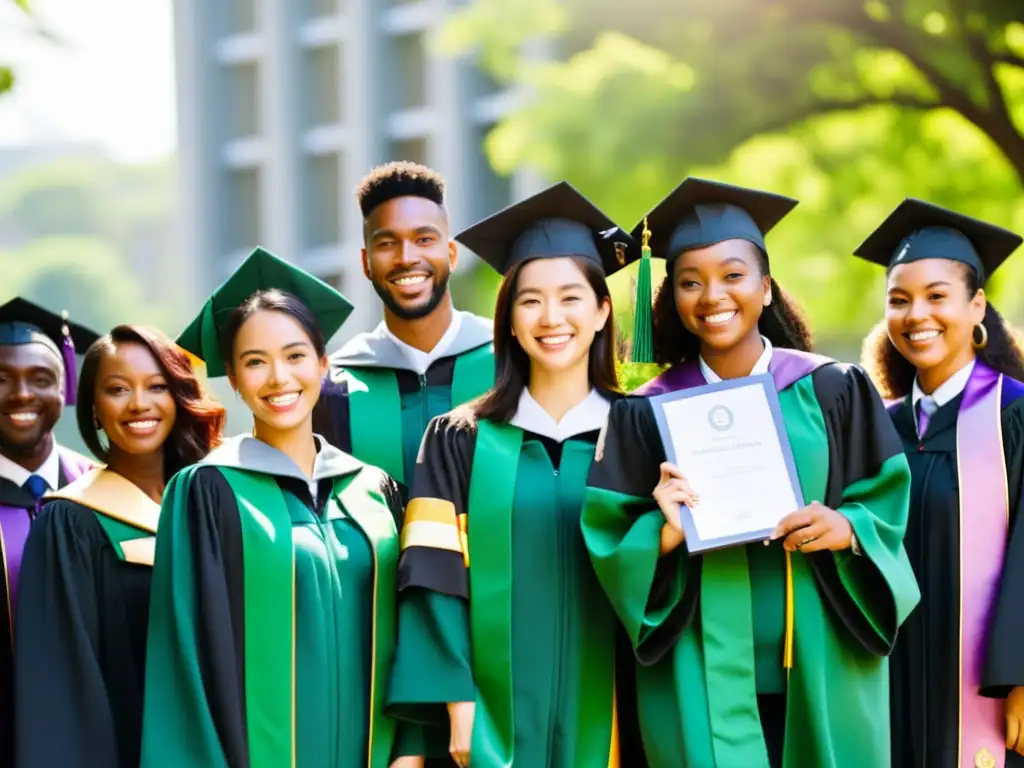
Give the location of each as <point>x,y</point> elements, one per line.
<point>730,441</point>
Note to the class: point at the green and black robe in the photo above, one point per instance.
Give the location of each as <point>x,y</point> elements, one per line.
<point>375,406</point>
<point>272,624</point>
<point>499,604</point>
<point>709,631</point>
<point>80,636</point>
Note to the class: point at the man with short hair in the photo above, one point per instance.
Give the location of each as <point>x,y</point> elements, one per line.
<point>37,350</point>
<point>426,357</point>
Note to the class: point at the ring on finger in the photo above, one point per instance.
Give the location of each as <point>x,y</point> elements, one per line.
<point>806,542</point>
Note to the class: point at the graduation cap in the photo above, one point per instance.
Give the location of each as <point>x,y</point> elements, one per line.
<point>700,213</point>
<point>260,271</point>
<point>23,322</point>
<point>558,221</point>
<point>918,230</point>
<point>697,214</point>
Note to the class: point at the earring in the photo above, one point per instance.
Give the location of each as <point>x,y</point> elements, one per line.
<point>979,345</point>
<point>768,300</point>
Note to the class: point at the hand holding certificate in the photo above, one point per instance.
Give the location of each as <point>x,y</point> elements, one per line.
<point>730,443</point>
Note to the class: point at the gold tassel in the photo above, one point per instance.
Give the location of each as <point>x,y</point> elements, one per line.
<point>787,655</point>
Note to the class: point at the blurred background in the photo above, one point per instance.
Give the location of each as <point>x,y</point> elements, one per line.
<point>147,145</point>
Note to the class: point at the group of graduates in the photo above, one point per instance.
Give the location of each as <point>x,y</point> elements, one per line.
<point>458,541</point>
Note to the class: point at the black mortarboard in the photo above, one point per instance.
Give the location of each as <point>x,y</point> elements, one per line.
<point>699,213</point>
<point>260,271</point>
<point>556,222</point>
<point>920,230</point>
<point>23,322</point>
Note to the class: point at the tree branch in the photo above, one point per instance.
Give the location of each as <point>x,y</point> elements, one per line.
<point>1008,58</point>
<point>830,106</point>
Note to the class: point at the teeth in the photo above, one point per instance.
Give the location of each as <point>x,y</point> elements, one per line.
<point>411,280</point>
<point>555,340</point>
<point>148,424</point>
<point>286,399</point>
<point>924,335</point>
<point>24,418</point>
<point>719,317</point>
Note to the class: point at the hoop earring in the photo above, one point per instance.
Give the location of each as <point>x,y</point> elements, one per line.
<point>979,345</point>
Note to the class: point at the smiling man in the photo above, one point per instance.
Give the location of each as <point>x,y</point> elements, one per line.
<point>37,349</point>
<point>426,357</point>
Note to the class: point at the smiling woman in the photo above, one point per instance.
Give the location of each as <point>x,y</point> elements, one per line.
<point>274,587</point>
<point>954,372</point>
<point>505,636</point>
<point>81,623</point>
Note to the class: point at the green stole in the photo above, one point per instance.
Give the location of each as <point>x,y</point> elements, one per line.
<point>269,604</point>
<point>491,506</point>
<point>375,407</point>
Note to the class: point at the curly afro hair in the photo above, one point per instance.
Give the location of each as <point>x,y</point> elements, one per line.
<point>399,179</point>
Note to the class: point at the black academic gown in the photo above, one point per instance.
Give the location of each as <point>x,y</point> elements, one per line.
<point>925,667</point>
<point>13,499</point>
<point>80,635</point>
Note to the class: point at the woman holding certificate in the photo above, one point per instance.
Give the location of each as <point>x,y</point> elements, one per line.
<point>504,633</point>
<point>772,653</point>
<point>948,361</point>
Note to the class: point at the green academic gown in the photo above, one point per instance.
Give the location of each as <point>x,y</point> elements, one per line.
<point>80,637</point>
<point>499,604</point>
<point>272,624</point>
<point>376,407</point>
<point>709,631</point>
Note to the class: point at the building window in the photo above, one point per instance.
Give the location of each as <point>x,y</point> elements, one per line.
<point>322,210</point>
<point>322,89</point>
<point>242,225</point>
<point>491,191</point>
<point>413,150</point>
<point>239,16</point>
<point>409,86</point>
<point>243,103</point>
<point>318,8</point>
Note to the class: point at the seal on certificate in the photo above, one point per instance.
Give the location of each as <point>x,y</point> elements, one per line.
<point>720,418</point>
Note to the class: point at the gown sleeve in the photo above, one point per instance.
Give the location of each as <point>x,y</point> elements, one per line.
<point>869,483</point>
<point>1004,668</point>
<point>63,715</point>
<point>655,597</point>
<point>194,711</point>
<point>432,661</point>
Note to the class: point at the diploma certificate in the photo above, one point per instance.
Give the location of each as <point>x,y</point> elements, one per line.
<point>730,442</point>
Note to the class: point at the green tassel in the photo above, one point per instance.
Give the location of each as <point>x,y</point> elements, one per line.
<point>643,333</point>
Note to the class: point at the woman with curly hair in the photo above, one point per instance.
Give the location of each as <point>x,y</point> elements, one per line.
<point>773,653</point>
<point>80,635</point>
<point>946,358</point>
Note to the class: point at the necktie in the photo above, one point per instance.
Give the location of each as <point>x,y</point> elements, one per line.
<point>36,486</point>
<point>927,406</point>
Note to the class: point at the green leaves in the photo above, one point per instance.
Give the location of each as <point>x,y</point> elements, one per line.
<point>6,79</point>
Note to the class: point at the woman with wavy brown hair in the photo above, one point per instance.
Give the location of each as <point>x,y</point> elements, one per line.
<point>85,580</point>
<point>945,357</point>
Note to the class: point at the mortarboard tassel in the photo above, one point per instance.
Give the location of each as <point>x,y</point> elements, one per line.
<point>70,364</point>
<point>643,342</point>
<point>787,653</point>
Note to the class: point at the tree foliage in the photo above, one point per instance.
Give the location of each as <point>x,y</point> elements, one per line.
<point>848,106</point>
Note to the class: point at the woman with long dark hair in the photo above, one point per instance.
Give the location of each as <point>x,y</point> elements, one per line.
<point>85,581</point>
<point>753,655</point>
<point>503,632</point>
<point>954,371</point>
<point>272,618</point>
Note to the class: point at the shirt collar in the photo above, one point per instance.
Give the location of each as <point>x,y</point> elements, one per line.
<point>588,415</point>
<point>419,359</point>
<point>947,390</point>
<point>761,366</point>
<point>49,471</point>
